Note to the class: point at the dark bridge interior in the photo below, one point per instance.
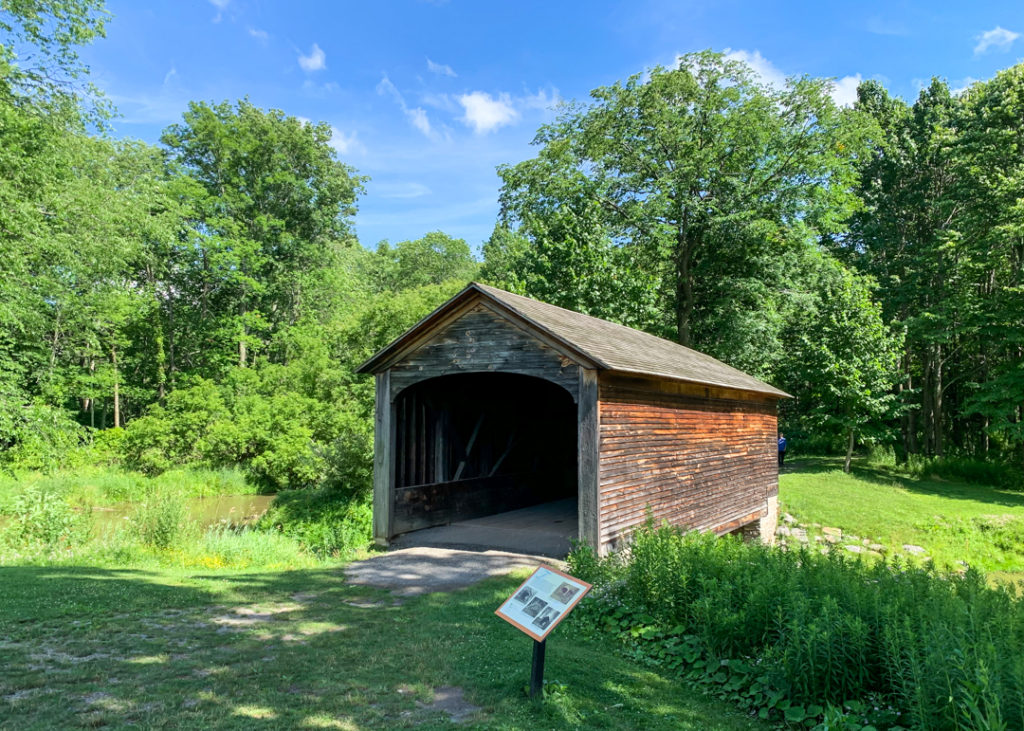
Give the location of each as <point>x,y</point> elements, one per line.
<point>478,444</point>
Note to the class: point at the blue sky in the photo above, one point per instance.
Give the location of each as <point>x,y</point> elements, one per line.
<point>428,97</point>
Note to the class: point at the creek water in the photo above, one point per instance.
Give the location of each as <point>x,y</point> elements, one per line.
<point>207,511</point>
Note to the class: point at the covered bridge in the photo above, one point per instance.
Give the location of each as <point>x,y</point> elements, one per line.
<point>502,417</point>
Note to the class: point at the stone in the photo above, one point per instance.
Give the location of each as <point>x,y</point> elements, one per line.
<point>876,547</point>
<point>800,534</point>
<point>854,548</point>
<point>788,518</point>
<point>915,550</point>
<point>837,532</point>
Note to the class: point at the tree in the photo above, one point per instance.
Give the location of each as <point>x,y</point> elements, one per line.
<point>842,360</point>
<point>698,181</point>
<point>271,202</point>
<point>433,259</point>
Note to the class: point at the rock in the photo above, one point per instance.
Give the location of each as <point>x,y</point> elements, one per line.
<point>876,547</point>
<point>788,518</point>
<point>854,548</point>
<point>783,530</point>
<point>837,532</point>
<point>852,538</point>
<point>915,550</point>
<point>800,534</point>
<point>829,538</point>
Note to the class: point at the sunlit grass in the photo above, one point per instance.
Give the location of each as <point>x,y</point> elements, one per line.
<point>955,522</point>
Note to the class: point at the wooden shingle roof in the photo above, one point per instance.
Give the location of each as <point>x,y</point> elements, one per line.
<point>606,345</point>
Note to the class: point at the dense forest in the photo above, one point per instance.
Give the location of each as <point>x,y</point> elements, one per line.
<point>205,300</point>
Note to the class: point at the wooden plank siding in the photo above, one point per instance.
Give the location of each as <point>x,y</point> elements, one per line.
<point>483,341</point>
<point>695,457</point>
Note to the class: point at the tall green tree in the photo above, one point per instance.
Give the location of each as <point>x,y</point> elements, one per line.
<point>708,179</point>
<point>271,202</point>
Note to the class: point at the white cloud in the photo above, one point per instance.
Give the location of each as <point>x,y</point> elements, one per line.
<point>959,87</point>
<point>485,113</point>
<point>346,144</point>
<point>170,76</point>
<point>400,190</point>
<point>541,100</point>
<point>315,61</point>
<point>998,38</point>
<point>764,69</point>
<point>844,90</point>
<point>221,5</point>
<point>440,68</point>
<point>261,35</point>
<point>417,116</point>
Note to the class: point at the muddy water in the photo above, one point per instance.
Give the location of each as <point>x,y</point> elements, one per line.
<point>207,511</point>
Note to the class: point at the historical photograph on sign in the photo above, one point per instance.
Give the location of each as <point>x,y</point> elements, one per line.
<point>564,593</point>
<point>534,607</point>
<point>525,595</point>
<point>542,601</point>
<point>545,618</point>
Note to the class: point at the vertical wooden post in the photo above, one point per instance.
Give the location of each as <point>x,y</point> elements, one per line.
<point>587,462</point>
<point>383,437</point>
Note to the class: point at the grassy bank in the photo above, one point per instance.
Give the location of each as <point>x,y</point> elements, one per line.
<point>300,649</point>
<point>189,519</point>
<point>955,522</point>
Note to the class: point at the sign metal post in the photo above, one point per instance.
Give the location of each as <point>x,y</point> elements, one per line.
<point>536,607</point>
<point>537,672</point>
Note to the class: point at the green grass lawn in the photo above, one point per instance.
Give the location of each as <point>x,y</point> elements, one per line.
<point>954,521</point>
<point>162,648</point>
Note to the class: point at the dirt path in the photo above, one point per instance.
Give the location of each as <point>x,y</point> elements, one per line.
<point>414,571</point>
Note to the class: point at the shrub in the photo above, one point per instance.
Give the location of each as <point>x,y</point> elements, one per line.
<point>45,518</point>
<point>799,636</point>
<point>328,522</point>
<point>161,521</point>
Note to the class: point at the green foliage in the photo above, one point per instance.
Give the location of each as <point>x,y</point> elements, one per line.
<point>161,521</point>
<point>435,259</point>
<point>43,519</point>
<point>328,522</point>
<point>784,634</point>
<point>674,200</point>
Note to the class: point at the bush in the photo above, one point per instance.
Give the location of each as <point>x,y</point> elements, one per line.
<point>327,522</point>
<point>161,521</point>
<point>966,469</point>
<point>797,636</point>
<point>46,520</point>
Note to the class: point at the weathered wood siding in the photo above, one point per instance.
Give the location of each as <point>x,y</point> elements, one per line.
<point>483,341</point>
<point>696,457</point>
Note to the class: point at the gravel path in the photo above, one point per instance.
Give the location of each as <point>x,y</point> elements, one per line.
<point>414,571</point>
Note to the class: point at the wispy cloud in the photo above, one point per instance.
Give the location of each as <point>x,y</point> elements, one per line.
<point>881,27</point>
<point>406,190</point>
<point>844,89</point>
<point>998,38</point>
<point>764,69</point>
<point>315,61</point>
<point>346,144</point>
<point>221,6</point>
<point>485,113</point>
<point>416,115</point>
<point>261,35</point>
<point>959,87</point>
<point>440,69</point>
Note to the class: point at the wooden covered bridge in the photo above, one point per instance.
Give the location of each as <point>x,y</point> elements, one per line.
<point>506,422</point>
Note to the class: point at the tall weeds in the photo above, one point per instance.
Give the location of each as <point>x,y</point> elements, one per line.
<point>784,632</point>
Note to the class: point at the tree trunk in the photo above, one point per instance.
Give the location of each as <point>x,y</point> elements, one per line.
<point>849,453</point>
<point>117,389</point>
<point>684,287</point>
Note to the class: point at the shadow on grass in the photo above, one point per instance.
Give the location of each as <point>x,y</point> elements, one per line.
<point>883,476</point>
<point>93,646</point>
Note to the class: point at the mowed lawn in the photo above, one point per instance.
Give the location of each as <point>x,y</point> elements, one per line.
<point>92,647</point>
<point>953,521</point>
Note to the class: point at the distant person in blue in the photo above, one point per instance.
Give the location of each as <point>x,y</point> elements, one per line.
<point>782,449</point>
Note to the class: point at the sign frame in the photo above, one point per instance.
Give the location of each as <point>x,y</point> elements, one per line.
<point>579,589</point>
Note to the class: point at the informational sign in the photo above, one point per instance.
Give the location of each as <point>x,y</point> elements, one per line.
<point>542,601</point>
